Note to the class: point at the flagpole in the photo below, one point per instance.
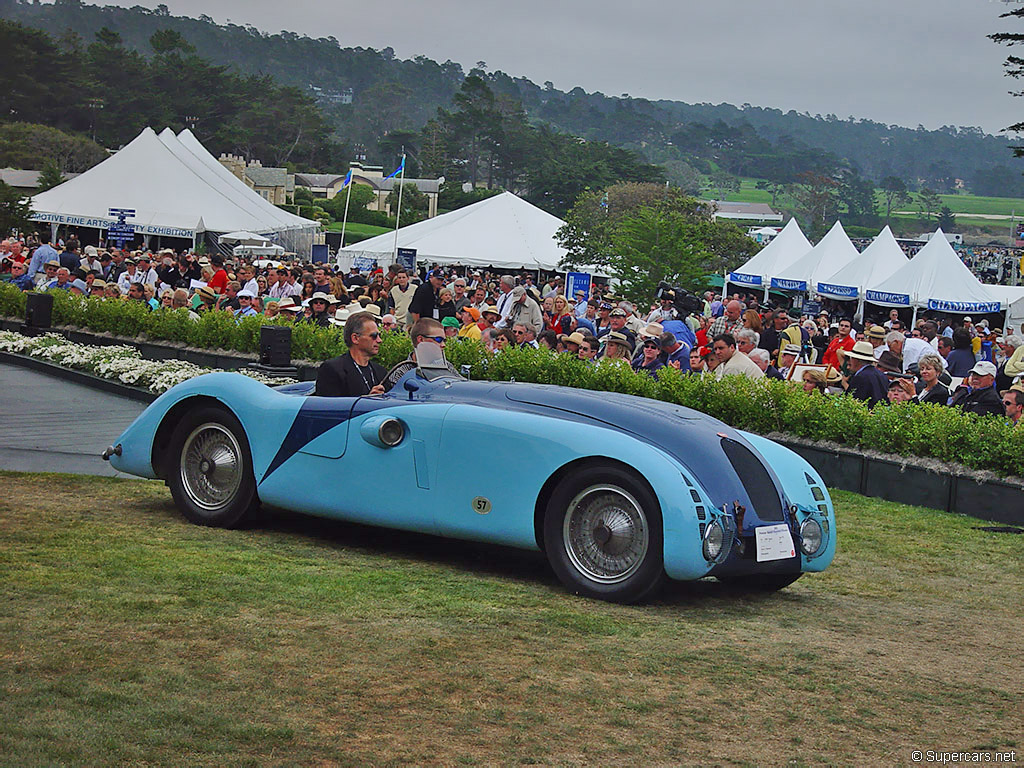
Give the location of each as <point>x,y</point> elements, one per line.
<point>398,213</point>
<point>344,220</point>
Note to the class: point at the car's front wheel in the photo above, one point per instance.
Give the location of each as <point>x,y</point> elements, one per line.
<point>603,535</point>
<point>210,474</point>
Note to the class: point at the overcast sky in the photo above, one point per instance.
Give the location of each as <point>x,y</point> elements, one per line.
<point>908,62</point>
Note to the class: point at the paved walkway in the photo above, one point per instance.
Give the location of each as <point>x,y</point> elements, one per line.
<point>51,425</point>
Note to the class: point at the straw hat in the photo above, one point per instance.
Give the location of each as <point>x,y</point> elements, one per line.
<point>288,304</point>
<point>341,316</point>
<point>862,350</point>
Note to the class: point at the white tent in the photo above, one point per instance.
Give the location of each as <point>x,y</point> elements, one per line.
<point>788,246</point>
<point>935,279</point>
<point>243,238</point>
<point>172,189</point>
<point>833,252</point>
<point>1012,297</point>
<point>876,263</point>
<point>502,231</point>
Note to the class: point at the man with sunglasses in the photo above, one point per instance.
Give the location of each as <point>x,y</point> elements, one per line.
<point>428,330</point>
<point>354,373</point>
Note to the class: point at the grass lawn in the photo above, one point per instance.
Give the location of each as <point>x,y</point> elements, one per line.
<point>130,636</point>
<point>369,230</point>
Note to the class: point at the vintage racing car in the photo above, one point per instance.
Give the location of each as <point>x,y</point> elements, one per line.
<point>619,492</point>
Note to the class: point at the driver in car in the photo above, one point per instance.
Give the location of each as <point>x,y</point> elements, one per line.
<point>428,330</point>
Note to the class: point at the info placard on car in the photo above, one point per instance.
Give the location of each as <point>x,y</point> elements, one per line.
<point>774,542</point>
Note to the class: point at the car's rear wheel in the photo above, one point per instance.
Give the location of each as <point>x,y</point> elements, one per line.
<point>761,582</point>
<point>603,535</point>
<point>210,473</point>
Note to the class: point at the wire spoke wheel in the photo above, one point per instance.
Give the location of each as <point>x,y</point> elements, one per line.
<point>211,467</point>
<point>606,534</point>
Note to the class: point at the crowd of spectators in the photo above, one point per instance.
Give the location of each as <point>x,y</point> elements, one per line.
<point>942,359</point>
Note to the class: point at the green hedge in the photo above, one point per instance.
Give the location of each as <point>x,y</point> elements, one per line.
<point>763,406</point>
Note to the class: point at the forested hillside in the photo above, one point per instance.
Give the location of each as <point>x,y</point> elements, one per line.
<point>392,97</point>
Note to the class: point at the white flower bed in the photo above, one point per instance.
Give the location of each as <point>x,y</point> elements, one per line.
<point>123,364</point>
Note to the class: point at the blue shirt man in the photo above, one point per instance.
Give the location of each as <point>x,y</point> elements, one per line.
<point>42,254</point>
<point>674,351</point>
<point>245,308</point>
<point>19,277</point>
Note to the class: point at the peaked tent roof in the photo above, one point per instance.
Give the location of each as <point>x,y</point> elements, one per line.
<point>876,263</point>
<point>935,278</point>
<point>833,252</point>
<point>788,246</point>
<point>188,140</point>
<point>501,231</point>
<point>171,194</point>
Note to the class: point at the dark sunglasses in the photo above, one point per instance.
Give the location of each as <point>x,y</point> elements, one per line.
<point>652,345</point>
<point>518,333</point>
<point>435,339</point>
<point>374,335</point>
<point>1008,402</point>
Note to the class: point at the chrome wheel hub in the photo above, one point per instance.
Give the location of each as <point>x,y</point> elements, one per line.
<point>211,467</point>
<point>605,534</point>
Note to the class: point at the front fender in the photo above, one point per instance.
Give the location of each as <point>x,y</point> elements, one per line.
<point>265,416</point>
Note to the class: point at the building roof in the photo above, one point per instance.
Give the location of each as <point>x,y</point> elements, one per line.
<point>316,180</point>
<point>25,179</point>
<point>430,186</point>
<point>750,211</point>
<point>267,177</point>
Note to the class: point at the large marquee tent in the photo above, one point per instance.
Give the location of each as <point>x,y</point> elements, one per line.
<point>503,231</point>
<point>935,279</point>
<point>176,189</point>
<point>788,246</point>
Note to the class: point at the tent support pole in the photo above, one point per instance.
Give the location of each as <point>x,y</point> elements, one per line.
<point>913,319</point>
<point>344,221</point>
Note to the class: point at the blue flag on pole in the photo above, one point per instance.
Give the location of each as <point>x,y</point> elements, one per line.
<point>397,170</point>
<point>348,179</point>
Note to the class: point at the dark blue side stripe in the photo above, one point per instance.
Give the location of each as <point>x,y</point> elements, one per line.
<point>316,416</point>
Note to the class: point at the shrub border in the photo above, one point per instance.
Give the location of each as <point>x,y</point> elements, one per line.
<point>889,477</point>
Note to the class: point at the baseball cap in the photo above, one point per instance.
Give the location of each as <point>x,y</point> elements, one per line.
<point>618,312</point>
<point>604,305</point>
<point>518,292</point>
<point>473,312</point>
<point>450,322</point>
<point>438,273</point>
<point>246,294</point>
<point>984,368</point>
<point>80,285</point>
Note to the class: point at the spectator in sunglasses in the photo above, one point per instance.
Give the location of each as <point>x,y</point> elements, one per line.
<point>354,373</point>
<point>426,330</point>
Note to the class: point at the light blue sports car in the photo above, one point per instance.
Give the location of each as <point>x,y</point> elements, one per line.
<point>619,492</point>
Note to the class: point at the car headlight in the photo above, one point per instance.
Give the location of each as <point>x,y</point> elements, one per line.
<point>714,540</point>
<point>811,536</point>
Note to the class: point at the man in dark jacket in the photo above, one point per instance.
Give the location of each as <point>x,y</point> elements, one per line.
<point>865,381</point>
<point>354,373</point>
<point>979,396</point>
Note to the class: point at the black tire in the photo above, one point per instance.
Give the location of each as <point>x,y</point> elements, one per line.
<point>619,559</point>
<point>209,469</point>
<point>761,582</point>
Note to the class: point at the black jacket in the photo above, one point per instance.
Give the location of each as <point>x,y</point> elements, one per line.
<point>937,394</point>
<point>978,401</point>
<point>869,384</point>
<point>340,377</point>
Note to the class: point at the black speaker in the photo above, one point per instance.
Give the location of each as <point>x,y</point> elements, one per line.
<point>275,346</point>
<point>38,310</point>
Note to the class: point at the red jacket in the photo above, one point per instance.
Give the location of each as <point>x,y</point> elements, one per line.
<point>831,358</point>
